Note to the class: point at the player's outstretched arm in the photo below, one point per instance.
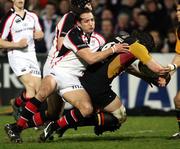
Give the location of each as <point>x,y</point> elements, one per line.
<point>11,45</point>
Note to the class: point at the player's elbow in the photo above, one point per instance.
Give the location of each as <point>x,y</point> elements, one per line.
<point>41,35</point>
<point>91,60</point>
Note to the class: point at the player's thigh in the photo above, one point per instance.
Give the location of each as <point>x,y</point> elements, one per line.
<point>79,99</point>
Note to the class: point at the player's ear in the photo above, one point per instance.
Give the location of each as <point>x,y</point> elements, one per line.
<point>79,23</point>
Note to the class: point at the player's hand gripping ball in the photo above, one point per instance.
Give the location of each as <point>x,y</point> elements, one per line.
<point>152,77</point>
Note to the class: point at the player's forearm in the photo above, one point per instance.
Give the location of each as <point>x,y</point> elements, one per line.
<point>38,35</point>
<point>176,60</point>
<point>154,66</point>
<point>7,44</point>
<point>99,56</point>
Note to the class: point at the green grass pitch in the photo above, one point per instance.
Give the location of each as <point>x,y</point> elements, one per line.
<point>136,133</point>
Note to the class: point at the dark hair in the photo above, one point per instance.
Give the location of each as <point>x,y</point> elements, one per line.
<point>78,5</point>
<point>144,38</point>
<point>177,2</point>
<point>85,10</point>
<point>51,3</point>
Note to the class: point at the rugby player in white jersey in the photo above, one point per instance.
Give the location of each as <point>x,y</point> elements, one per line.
<point>18,30</point>
<point>21,25</point>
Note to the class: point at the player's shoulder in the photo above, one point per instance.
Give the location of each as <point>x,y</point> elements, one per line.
<point>123,37</point>
<point>68,16</point>
<point>31,13</point>
<point>75,31</point>
<point>98,35</point>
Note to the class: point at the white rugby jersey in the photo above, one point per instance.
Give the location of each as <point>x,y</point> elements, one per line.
<point>14,28</point>
<point>76,40</point>
<point>66,23</point>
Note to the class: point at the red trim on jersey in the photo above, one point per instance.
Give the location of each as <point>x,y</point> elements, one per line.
<point>55,63</point>
<point>100,36</point>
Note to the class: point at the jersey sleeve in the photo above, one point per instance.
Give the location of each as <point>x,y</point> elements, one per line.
<point>37,23</point>
<point>74,41</point>
<point>140,52</point>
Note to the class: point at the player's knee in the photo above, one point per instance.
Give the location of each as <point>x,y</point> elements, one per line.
<point>120,114</point>
<point>86,109</point>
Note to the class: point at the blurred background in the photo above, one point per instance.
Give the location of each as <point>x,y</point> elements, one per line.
<point>158,17</point>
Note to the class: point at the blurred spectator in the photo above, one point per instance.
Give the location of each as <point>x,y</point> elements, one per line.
<point>157,41</point>
<point>32,4</point>
<point>63,7</point>
<point>50,20</point>
<point>169,5</point>
<point>43,3</point>
<point>5,6</point>
<point>97,10</point>
<point>170,42</point>
<point>107,14</point>
<point>135,16</point>
<point>107,29</point>
<point>127,6</point>
<point>156,16</point>
<point>142,22</point>
<point>123,23</point>
<point>114,6</point>
<point>174,18</point>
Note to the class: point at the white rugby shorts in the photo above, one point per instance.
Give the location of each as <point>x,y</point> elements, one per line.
<point>65,80</point>
<point>23,63</point>
<point>47,66</point>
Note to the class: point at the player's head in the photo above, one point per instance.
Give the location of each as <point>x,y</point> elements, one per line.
<point>145,39</point>
<point>85,20</point>
<point>19,3</point>
<point>78,5</point>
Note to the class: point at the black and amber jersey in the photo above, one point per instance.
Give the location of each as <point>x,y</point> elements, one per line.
<point>98,77</point>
